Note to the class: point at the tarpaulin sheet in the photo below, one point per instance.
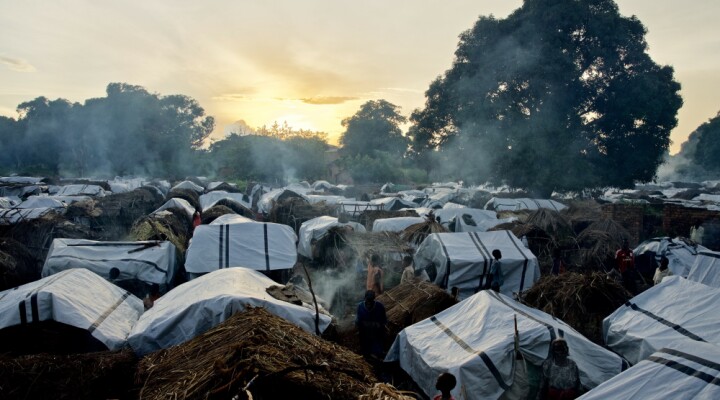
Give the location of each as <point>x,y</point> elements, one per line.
<point>503,204</point>
<point>316,228</point>
<point>397,224</point>
<point>681,255</point>
<point>706,269</point>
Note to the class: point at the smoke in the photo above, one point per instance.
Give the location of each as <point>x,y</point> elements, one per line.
<point>340,289</point>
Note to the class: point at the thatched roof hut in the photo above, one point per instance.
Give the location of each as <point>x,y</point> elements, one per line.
<point>18,266</point>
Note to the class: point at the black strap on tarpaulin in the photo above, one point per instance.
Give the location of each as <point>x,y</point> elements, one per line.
<point>220,249</point>
<point>446,278</point>
<point>267,253</point>
<point>676,327</point>
<point>686,369</point>
<point>227,246</point>
<point>525,264</point>
<point>23,312</point>
<point>107,312</point>
<point>476,241</point>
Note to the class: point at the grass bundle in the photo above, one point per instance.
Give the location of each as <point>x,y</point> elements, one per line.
<point>100,375</point>
<point>236,207</point>
<point>119,211</point>
<point>384,391</point>
<point>580,300</point>
<point>189,195</point>
<point>293,211</point>
<point>599,242</point>
<point>416,233</point>
<point>254,353</point>
<point>17,265</point>
<point>167,225</point>
<point>212,213</point>
<point>582,213</point>
<point>364,243</point>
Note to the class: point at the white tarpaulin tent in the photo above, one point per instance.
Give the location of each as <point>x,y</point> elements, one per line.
<point>209,199</point>
<point>474,340</point>
<point>464,259</point>
<point>392,203</point>
<point>81,190</point>
<point>397,224</point>
<point>189,185</point>
<point>255,245</point>
<point>316,228</point>
<point>503,204</point>
<point>680,254</point>
<point>180,204</point>
<point>196,306</point>
<point>265,204</point>
<point>675,309</point>
<point>43,202</point>
<point>14,215</point>
<point>706,269</point>
<point>682,370</point>
<point>149,262</point>
<point>76,297</point>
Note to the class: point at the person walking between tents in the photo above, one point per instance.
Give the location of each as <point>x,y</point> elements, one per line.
<point>495,278</point>
<point>625,262</point>
<point>370,321</point>
<point>560,375</point>
<point>375,275</point>
<point>662,271</point>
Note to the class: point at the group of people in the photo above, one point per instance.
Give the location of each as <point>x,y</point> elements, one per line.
<point>626,273</point>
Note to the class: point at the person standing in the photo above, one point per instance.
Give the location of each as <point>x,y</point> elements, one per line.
<point>495,278</point>
<point>408,274</point>
<point>375,275</point>
<point>558,266</point>
<point>662,271</point>
<point>625,262</point>
<point>560,378</point>
<point>370,321</point>
<point>445,383</point>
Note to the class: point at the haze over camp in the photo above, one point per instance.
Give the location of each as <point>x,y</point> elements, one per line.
<point>373,200</point>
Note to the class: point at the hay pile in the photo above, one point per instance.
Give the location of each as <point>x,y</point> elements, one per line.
<point>364,243</point>
<point>171,225</point>
<point>293,211</point>
<point>367,218</point>
<point>212,213</point>
<point>582,213</point>
<point>101,375</point>
<point>553,223</point>
<point>119,212</point>
<point>260,352</point>
<point>17,265</point>
<point>599,242</point>
<point>186,194</point>
<point>384,391</point>
<point>225,187</point>
<point>236,207</point>
<point>580,300</point>
<point>418,232</point>
<point>332,251</point>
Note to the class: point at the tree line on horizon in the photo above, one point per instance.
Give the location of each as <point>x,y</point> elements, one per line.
<point>560,95</point>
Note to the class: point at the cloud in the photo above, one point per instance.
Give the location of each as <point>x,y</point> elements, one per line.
<point>323,100</point>
<point>16,64</point>
<point>241,94</point>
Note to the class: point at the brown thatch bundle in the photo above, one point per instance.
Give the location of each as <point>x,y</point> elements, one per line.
<point>190,195</point>
<point>364,243</point>
<point>411,302</point>
<point>367,218</point>
<point>258,352</point>
<point>212,213</point>
<point>553,223</point>
<point>416,233</point>
<point>293,211</point>
<point>37,234</point>
<point>119,211</point>
<point>83,209</point>
<point>226,187</point>
<point>599,242</point>
<point>331,250</point>
<point>582,213</point>
<point>237,208</point>
<point>385,391</point>
<point>17,265</point>
<point>580,300</point>
<point>171,225</point>
<point>101,375</point>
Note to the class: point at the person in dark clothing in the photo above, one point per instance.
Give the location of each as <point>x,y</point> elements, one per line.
<point>558,266</point>
<point>495,279</point>
<point>370,321</point>
<point>625,262</point>
<point>445,383</point>
<point>560,378</point>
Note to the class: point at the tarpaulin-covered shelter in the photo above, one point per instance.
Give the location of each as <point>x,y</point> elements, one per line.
<point>706,269</point>
<point>209,199</point>
<point>147,262</point>
<point>392,203</point>
<point>464,260</point>
<point>317,228</point>
<point>189,185</point>
<point>12,216</point>
<point>267,200</point>
<point>240,242</point>
<point>397,224</point>
<point>680,253</point>
<point>196,306</point>
<point>468,219</point>
<point>682,370</point>
<point>474,340</point>
<point>43,202</point>
<point>180,204</point>
<point>504,204</point>
<point>92,313</point>
<point>81,190</point>
<point>672,310</point>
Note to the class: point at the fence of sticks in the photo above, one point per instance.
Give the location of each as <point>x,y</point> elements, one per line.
<point>255,353</point>
<point>580,300</point>
<point>99,375</point>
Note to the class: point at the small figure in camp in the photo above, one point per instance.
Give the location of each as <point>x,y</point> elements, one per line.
<point>662,271</point>
<point>375,275</point>
<point>558,266</point>
<point>370,321</point>
<point>560,378</point>
<point>408,274</point>
<point>625,261</point>
<point>445,384</point>
<point>153,295</point>
<point>196,219</point>
<point>455,293</point>
<point>495,278</point>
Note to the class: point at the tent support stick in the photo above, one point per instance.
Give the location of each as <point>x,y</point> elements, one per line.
<point>317,310</point>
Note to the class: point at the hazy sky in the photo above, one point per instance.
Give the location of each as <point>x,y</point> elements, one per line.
<point>308,62</point>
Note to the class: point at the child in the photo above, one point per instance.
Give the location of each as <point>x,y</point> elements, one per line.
<point>445,383</point>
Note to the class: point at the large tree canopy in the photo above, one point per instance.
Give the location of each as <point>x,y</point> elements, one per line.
<point>375,127</point>
<point>698,158</point>
<point>559,95</point>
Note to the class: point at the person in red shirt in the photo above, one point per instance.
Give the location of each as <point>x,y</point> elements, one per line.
<point>196,219</point>
<point>625,263</point>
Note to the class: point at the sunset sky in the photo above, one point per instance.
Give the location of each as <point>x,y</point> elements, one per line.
<point>308,62</point>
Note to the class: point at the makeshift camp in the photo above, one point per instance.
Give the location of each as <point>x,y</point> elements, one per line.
<point>397,224</point>
<point>17,265</point>
<point>224,186</point>
<point>237,208</point>
<point>168,225</point>
<point>389,244</point>
<point>582,213</point>
<point>188,185</point>
<point>15,215</point>
<point>681,370</point>
<point>117,212</point>
<point>295,211</point>
<point>581,300</point>
<point>598,244</point>
<point>196,306</point>
<point>211,198</point>
<point>81,190</point>
<point>367,218</point>
<point>188,195</point>
<point>706,269</point>
<point>255,353</point>
<point>268,200</point>
<point>675,309</point>
<point>212,213</point>
<point>464,260</point>
<point>315,230</point>
<point>417,233</point>
<point>72,311</point>
<point>392,203</point>
<point>43,202</point>
<point>145,262</point>
<point>180,204</point>
<point>474,340</point>
<point>679,251</point>
<point>244,243</point>
<point>99,375</point>
<point>504,204</point>
<point>466,219</point>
